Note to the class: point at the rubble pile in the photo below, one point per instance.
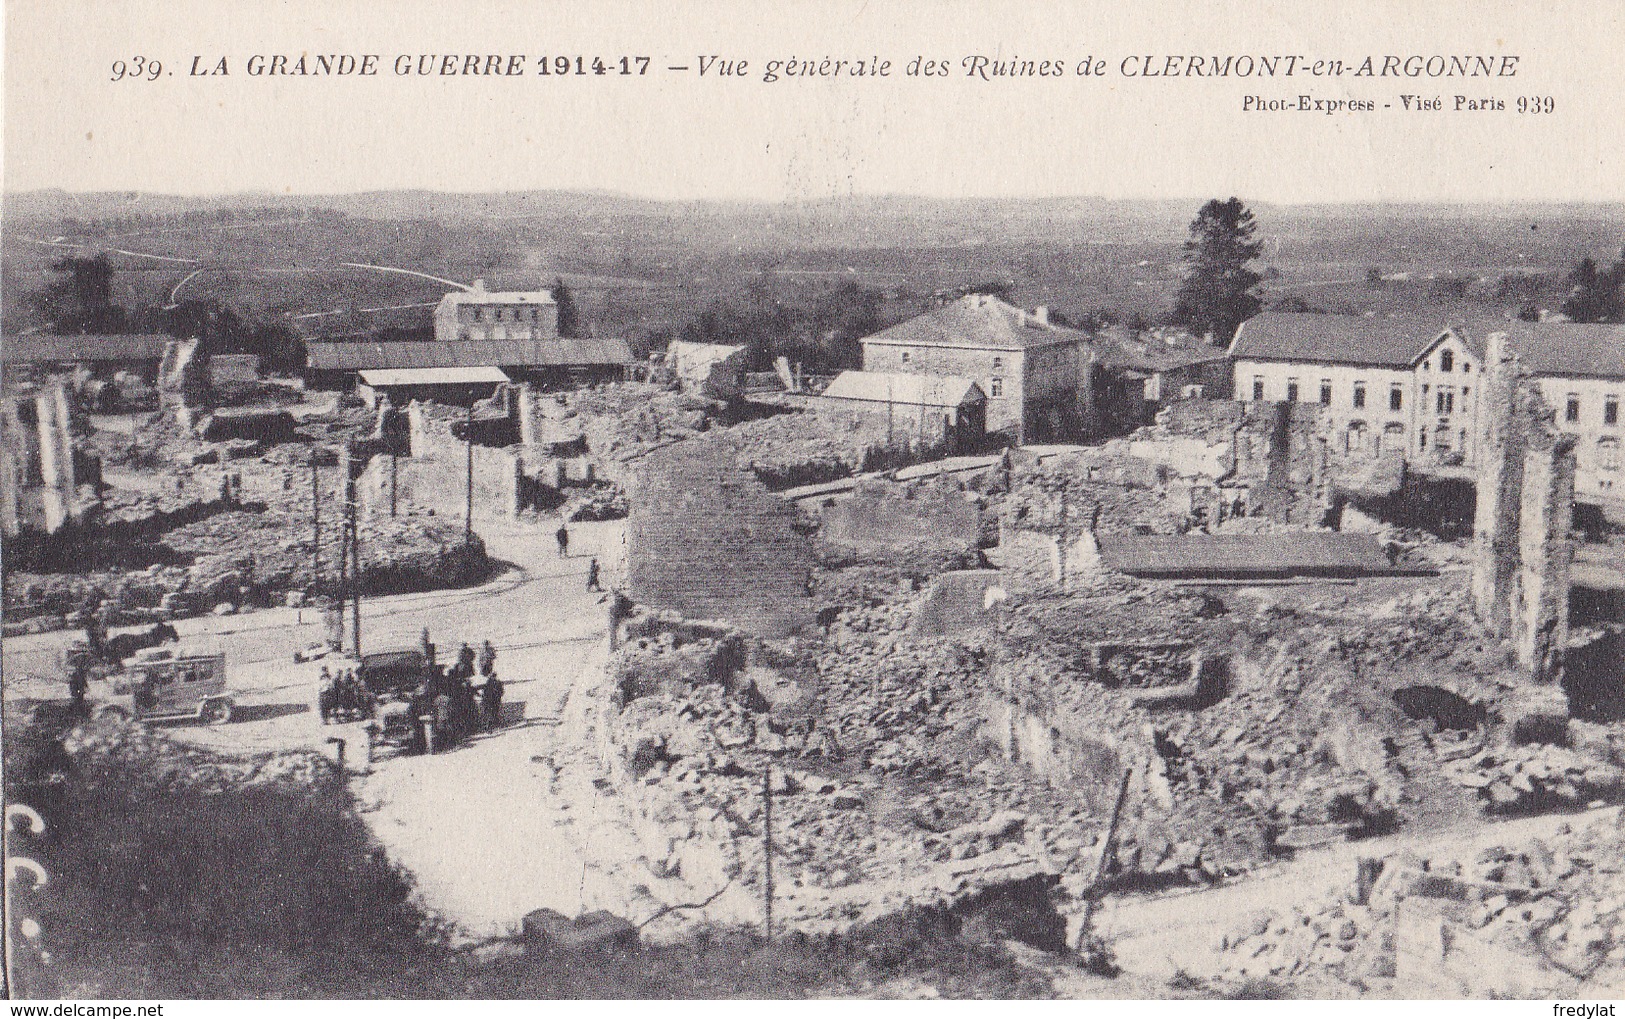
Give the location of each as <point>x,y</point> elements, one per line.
<point>1540,917</point>
<point>1537,777</point>
<point>241,558</point>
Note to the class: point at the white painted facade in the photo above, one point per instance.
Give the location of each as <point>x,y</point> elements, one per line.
<point>1427,410</point>
<point>1583,410</point>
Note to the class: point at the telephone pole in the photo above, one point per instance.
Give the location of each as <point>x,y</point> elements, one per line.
<point>355,570</point>
<point>767,852</point>
<point>315,522</point>
<point>468,501</point>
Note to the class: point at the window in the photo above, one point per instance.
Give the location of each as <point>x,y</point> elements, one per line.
<point>998,362</point>
<point>1427,366</point>
<point>1447,360</point>
<point>535,314</point>
<point>1422,440</point>
<point>1571,413</point>
<point>1442,440</point>
<point>1445,401</point>
<point>462,334</point>
<point>1359,394</point>
<point>1466,366</point>
<point>1356,438</point>
<point>1396,398</point>
<point>1325,392</point>
<point>1610,410</point>
<point>905,357</point>
<point>479,314</point>
<point>1291,390</point>
<point>996,387</point>
<point>1258,387</point>
<point>1608,454</point>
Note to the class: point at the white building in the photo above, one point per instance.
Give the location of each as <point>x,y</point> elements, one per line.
<point>1411,385</point>
<point>1580,370</point>
<point>480,314</point>
<point>1391,384</point>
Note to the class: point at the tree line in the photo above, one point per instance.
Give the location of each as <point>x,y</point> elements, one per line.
<point>79,301</point>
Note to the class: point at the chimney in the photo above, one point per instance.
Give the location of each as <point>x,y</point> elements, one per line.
<point>1041,314</point>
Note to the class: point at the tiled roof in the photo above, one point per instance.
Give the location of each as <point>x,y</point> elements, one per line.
<point>1568,348</point>
<point>38,347</point>
<point>431,376</point>
<point>1309,553</point>
<point>357,355</point>
<point>456,297</point>
<point>1118,348</point>
<point>915,390</point>
<point>980,322</point>
<point>1388,342</point>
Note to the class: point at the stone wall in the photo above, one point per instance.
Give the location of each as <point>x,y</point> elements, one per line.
<point>1523,545</point>
<point>707,540</point>
<point>441,484</point>
<point>885,514</point>
<point>37,485</point>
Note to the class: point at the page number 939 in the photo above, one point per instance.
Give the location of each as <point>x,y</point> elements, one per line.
<point>137,69</point>
<point>1536,104</point>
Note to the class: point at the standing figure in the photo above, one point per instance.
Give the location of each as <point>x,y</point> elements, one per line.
<point>563,536</point>
<point>428,646</point>
<point>488,659</point>
<point>325,695</point>
<point>592,577</point>
<point>491,701</point>
<point>465,662</point>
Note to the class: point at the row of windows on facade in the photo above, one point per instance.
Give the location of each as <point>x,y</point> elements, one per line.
<point>1396,394</point>
<point>518,314</point>
<point>1444,399</point>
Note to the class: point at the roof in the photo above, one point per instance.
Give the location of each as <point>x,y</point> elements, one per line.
<point>479,295</point>
<point>431,376</point>
<point>981,322</point>
<point>1147,352</point>
<point>1396,342</point>
<point>916,390</point>
<point>1568,348</point>
<point>698,357</point>
<point>1313,553</point>
<point>36,347</point>
<point>353,355</point>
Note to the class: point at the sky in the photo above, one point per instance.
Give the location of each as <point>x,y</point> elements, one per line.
<point>677,135</point>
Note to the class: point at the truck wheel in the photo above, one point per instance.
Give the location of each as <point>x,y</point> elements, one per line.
<point>112,712</point>
<point>216,712</point>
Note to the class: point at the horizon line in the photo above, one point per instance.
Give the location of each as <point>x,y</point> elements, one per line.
<point>8,193</point>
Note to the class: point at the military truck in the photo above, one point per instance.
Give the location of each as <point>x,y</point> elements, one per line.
<point>161,685</point>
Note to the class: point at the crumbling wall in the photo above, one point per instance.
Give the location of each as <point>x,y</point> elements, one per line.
<point>37,466</point>
<point>1523,546</point>
<point>706,539</point>
<point>440,484</point>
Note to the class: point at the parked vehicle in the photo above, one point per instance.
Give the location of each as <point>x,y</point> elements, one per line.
<point>159,685</point>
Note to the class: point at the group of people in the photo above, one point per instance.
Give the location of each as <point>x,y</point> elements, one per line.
<point>448,697</point>
<point>563,537</point>
<point>344,695</point>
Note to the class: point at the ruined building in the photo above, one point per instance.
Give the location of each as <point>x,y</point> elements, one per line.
<point>36,467</point>
<point>1522,544</point>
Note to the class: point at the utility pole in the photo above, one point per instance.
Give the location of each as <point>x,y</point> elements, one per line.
<point>355,570</point>
<point>315,521</point>
<point>468,501</point>
<point>767,852</point>
<point>341,588</point>
<point>394,480</point>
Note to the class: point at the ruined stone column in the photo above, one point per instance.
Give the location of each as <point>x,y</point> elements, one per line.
<point>525,408</point>
<point>1546,551</point>
<point>1500,443</point>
